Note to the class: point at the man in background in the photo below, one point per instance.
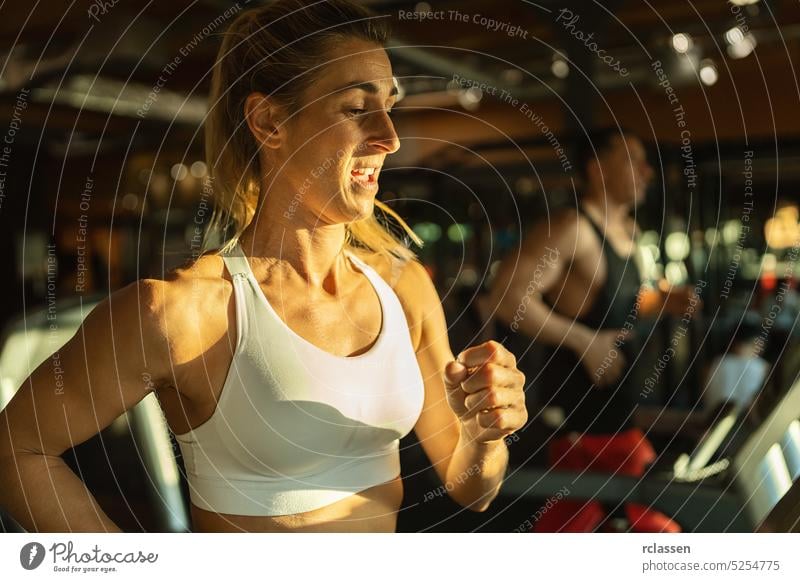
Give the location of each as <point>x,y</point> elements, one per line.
<point>573,285</point>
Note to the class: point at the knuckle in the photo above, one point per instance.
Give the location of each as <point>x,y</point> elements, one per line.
<point>491,418</point>
<point>487,373</point>
<point>470,401</point>
<point>495,348</point>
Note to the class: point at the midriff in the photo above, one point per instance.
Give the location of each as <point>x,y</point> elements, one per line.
<point>372,510</point>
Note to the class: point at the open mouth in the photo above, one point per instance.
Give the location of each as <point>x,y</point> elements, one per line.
<point>364,176</point>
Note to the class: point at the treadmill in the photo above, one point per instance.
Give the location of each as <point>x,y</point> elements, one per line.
<point>746,462</point>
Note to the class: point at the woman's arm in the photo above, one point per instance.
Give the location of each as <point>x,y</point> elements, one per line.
<point>74,394</point>
<point>467,448</point>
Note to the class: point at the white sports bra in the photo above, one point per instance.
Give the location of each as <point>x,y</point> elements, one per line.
<point>297,428</point>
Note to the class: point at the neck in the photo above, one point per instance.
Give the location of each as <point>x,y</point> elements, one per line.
<point>298,244</point>
<point>604,209</point>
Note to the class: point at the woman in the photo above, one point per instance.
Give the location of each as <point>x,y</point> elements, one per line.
<point>286,364</point>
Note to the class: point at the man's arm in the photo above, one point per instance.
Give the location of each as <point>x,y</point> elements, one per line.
<point>537,268</point>
<point>534,270</point>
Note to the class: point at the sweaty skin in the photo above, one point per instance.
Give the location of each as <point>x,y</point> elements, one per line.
<point>566,255</point>
<point>179,332</point>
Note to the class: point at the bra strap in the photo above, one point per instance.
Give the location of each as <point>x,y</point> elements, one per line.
<point>362,266</point>
<point>236,262</point>
<point>600,234</point>
<point>237,266</point>
<point>376,280</point>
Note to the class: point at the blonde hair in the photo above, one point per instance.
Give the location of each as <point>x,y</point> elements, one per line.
<point>271,49</point>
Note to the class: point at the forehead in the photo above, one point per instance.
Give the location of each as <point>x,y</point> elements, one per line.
<point>355,62</point>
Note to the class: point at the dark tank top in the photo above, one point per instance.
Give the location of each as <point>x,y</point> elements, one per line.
<point>587,408</point>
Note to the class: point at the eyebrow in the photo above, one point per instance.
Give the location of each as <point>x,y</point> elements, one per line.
<point>367,86</point>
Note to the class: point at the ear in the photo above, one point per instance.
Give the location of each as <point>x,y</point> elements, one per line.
<point>263,119</point>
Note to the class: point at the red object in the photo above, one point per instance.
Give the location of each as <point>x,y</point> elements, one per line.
<point>646,520</point>
<point>625,453</point>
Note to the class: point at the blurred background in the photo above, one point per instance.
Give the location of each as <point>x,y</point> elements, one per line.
<point>102,182</point>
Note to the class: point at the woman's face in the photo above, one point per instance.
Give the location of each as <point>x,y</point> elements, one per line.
<point>333,148</point>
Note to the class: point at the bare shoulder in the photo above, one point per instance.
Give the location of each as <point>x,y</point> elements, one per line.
<point>575,233</point>
<point>190,306</point>
<point>199,274</point>
<point>415,286</point>
<point>560,225</point>
<point>559,234</point>
<point>128,316</point>
<point>566,219</point>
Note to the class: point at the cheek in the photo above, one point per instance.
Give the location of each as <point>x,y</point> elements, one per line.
<point>618,178</point>
<point>631,176</point>
<point>312,135</point>
<point>333,150</point>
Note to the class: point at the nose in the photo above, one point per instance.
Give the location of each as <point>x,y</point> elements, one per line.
<point>383,135</point>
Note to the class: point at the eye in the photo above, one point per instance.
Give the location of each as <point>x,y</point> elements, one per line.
<point>357,112</point>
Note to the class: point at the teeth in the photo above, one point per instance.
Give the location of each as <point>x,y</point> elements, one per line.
<point>364,171</point>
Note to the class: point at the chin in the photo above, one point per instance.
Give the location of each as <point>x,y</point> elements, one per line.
<point>365,211</point>
<point>354,209</point>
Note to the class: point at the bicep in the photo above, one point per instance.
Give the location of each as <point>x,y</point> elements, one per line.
<point>536,267</point>
<point>83,386</point>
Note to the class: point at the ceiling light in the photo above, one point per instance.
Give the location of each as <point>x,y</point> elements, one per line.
<point>708,72</point>
<point>681,42</point>
<point>560,68</point>
<point>470,98</point>
<point>179,172</point>
<point>742,48</point>
<point>734,35</point>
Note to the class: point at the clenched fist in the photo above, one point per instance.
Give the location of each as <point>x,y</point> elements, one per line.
<point>603,359</point>
<point>486,391</point>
